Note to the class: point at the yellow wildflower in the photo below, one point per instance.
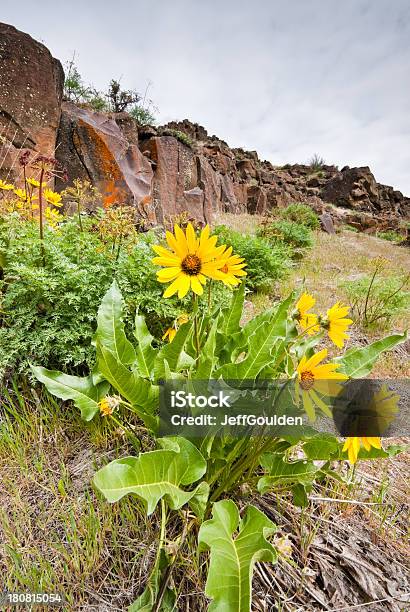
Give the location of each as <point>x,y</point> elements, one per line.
<point>313,378</point>
<point>183,318</point>
<point>108,404</point>
<point>307,320</point>
<point>53,216</point>
<point>352,446</point>
<point>231,268</point>
<point>189,262</point>
<point>336,324</point>
<point>21,193</point>
<point>52,197</point>
<point>34,183</point>
<point>6,186</point>
<point>170,334</point>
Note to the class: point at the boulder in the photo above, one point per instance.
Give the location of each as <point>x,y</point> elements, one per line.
<point>31,87</point>
<point>104,148</point>
<point>326,223</point>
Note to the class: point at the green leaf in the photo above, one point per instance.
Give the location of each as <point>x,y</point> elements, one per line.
<point>82,391</point>
<point>174,353</point>
<point>208,358</point>
<point>321,447</point>
<point>260,346</point>
<point>283,473</point>
<point>299,494</point>
<point>358,362</point>
<point>231,316</point>
<point>145,353</point>
<point>110,327</point>
<point>229,582</point>
<point>155,475</point>
<point>141,393</point>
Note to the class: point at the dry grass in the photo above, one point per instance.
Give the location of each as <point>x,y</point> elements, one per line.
<point>346,256</point>
<point>244,222</point>
<point>58,535</point>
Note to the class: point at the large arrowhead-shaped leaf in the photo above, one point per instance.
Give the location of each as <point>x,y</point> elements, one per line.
<point>260,346</point>
<point>229,582</point>
<point>229,323</point>
<point>82,391</point>
<point>283,473</point>
<point>358,362</point>
<point>141,393</point>
<point>145,353</point>
<point>155,475</point>
<point>208,358</point>
<point>110,326</point>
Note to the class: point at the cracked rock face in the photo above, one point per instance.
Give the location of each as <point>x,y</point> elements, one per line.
<point>31,87</point>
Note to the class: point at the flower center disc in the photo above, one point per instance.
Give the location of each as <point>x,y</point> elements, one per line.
<point>225,269</point>
<point>191,265</point>
<point>307,380</point>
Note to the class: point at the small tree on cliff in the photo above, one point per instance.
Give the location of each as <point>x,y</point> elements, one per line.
<point>121,99</point>
<point>140,108</point>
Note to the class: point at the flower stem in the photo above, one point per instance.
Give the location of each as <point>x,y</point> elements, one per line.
<point>196,330</point>
<point>40,203</point>
<point>80,222</point>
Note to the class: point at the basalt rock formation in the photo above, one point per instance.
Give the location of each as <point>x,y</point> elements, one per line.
<point>171,169</point>
<point>104,149</point>
<point>31,88</point>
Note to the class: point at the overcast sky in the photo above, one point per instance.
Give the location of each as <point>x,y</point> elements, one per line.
<point>288,79</point>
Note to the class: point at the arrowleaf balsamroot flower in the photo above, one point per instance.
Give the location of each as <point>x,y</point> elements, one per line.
<point>307,320</point>
<point>109,404</point>
<point>189,262</point>
<point>6,186</point>
<point>232,268</point>
<point>170,333</point>
<point>34,182</point>
<point>314,378</point>
<point>53,197</point>
<point>336,324</point>
<point>352,446</point>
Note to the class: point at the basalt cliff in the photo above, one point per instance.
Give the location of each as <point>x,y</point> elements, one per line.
<point>167,170</point>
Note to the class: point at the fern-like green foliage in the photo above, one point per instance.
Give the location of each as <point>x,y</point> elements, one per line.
<point>296,235</point>
<point>48,313</point>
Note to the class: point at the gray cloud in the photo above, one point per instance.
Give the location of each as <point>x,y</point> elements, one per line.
<point>287,79</point>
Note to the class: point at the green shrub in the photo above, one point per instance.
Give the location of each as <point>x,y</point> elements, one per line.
<point>391,236</point>
<point>266,263</point>
<point>47,314</point>
<point>179,135</point>
<point>290,233</point>
<point>302,214</point>
<point>376,300</point>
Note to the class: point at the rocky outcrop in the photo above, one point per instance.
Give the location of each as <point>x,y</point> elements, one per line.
<point>171,169</point>
<point>31,86</point>
<point>104,149</point>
